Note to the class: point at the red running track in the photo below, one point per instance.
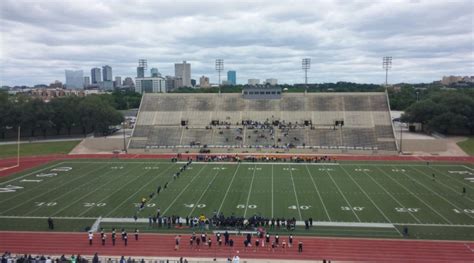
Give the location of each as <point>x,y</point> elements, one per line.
<point>33,161</point>
<point>160,245</point>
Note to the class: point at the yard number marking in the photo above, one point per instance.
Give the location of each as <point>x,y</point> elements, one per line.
<point>219,168</point>
<point>354,208</point>
<point>406,209</point>
<point>152,168</point>
<point>325,169</point>
<point>10,188</point>
<point>242,206</point>
<point>46,203</point>
<point>116,167</point>
<point>302,207</point>
<point>467,211</point>
<point>94,204</point>
<point>398,170</point>
<point>258,168</point>
<point>288,169</point>
<point>146,205</point>
<point>362,170</point>
<point>46,175</point>
<point>192,205</point>
<point>62,169</point>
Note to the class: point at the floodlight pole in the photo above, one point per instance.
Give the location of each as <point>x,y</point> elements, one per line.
<point>124,141</point>
<point>219,68</point>
<point>401,134</point>
<point>306,65</point>
<point>386,64</point>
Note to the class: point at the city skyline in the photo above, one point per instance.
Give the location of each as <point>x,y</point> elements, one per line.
<point>345,40</point>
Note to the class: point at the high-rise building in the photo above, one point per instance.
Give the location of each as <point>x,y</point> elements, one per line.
<point>232,77</point>
<point>154,72</point>
<point>204,82</point>
<point>87,81</point>
<point>74,79</point>
<point>271,82</point>
<point>95,76</point>
<point>254,81</point>
<point>183,71</point>
<point>150,85</point>
<point>193,82</point>
<point>107,73</point>
<point>118,82</point>
<point>128,82</point>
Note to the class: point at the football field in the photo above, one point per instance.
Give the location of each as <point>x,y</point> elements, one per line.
<point>376,199</point>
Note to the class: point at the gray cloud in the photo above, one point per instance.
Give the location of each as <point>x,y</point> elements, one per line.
<point>346,40</point>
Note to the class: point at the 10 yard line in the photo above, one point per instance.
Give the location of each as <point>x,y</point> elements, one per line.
<point>228,188</point>
<point>294,189</point>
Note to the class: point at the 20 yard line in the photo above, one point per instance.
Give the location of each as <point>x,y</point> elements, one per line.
<point>250,191</point>
<point>294,189</point>
<point>408,190</point>
<point>317,191</point>
<point>228,188</point>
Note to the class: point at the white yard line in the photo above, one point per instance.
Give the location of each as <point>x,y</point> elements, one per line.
<point>86,195</point>
<point>294,189</point>
<point>250,191</point>
<point>228,188</point>
<point>184,189</point>
<point>342,194</point>
<point>36,171</point>
<point>95,226</point>
<point>467,167</point>
<point>439,181</point>
<point>53,189</point>
<point>368,197</point>
<point>434,192</point>
<point>272,191</point>
<point>421,200</point>
<point>396,200</point>
<point>319,194</point>
<point>203,193</point>
<point>124,201</point>
<point>454,177</point>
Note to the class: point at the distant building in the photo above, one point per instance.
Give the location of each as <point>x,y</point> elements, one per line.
<point>74,79</point>
<point>232,77</point>
<point>96,76</point>
<point>128,82</point>
<point>87,81</point>
<point>107,73</point>
<point>56,85</point>
<point>183,71</point>
<point>170,83</point>
<point>150,85</point>
<point>253,82</point>
<point>226,83</point>
<point>140,72</point>
<point>271,82</point>
<point>204,82</point>
<point>118,82</point>
<point>193,82</point>
<point>106,85</point>
<point>155,73</point>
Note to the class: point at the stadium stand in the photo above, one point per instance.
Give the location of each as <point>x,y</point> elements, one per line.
<point>295,121</point>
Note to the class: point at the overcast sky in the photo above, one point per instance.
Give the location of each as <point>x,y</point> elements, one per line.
<point>345,40</point>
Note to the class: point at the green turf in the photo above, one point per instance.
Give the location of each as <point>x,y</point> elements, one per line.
<point>40,148</point>
<point>467,146</point>
<point>402,194</point>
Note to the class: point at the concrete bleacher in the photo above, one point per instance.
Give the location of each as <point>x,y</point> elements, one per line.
<point>367,122</point>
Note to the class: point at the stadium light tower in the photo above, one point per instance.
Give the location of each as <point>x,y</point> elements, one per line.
<point>219,68</point>
<point>386,64</point>
<point>306,65</point>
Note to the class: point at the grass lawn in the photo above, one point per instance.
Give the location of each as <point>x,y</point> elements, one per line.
<point>40,148</point>
<point>467,146</point>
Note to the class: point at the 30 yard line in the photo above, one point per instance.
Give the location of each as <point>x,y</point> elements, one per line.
<point>250,191</point>
<point>203,193</point>
<point>272,191</point>
<point>343,196</point>
<point>368,197</point>
<point>123,202</point>
<point>319,194</point>
<point>184,189</point>
<point>294,189</point>
<point>408,190</point>
<point>228,188</point>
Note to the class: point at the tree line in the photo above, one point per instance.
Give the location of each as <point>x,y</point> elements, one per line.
<point>94,113</point>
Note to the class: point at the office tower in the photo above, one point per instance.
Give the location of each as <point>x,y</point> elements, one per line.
<point>183,71</point>
<point>74,79</point>
<point>107,73</point>
<point>232,77</point>
<point>95,75</point>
